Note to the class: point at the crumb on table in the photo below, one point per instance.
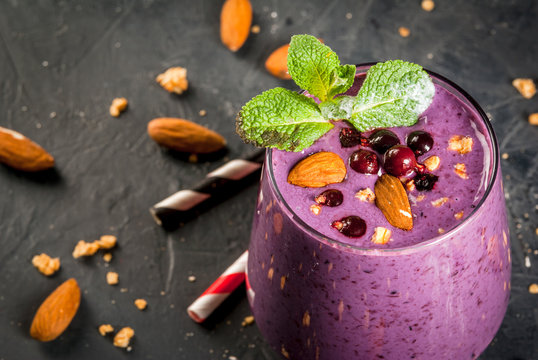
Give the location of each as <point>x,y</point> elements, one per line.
<point>45,264</point>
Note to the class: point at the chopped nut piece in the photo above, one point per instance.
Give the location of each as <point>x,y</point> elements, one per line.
<point>84,248</point>
<point>427,5</point>
<point>366,195</point>
<point>533,119</point>
<point>461,144</point>
<point>505,156</point>
<point>410,185</point>
<point>306,319</point>
<point>270,273</point>
<point>404,32</point>
<point>107,257</point>
<point>381,235</point>
<point>315,209</point>
<point>432,163</point>
<point>106,242</point>
<point>441,231</point>
<point>248,320</point>
<point>118,106</point>
<point>255,29</point>
<point>123,337</point>
<point>45,264</point>
<point>461,170</point>
<point>141,304</point>
<point>112,278</point>
<point>458,215</point>
<point>525,87</point>
<point>533,288</point>
<point>439,201</point>
<point>202,112</point>
<point>421,197</point>
<point>105,329</point>
<point>174,80</point>
<point>193,158</point>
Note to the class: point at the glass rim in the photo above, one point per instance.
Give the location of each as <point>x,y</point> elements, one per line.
<point>415,247</point>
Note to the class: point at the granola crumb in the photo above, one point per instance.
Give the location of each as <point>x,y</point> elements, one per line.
<point>315,209</point>
<point>193,158</point>
<point>505,156</point>
<point>533,119</point>
<point>45,264</point>
<point>525,87</point>
<point>191,278</point>
<point>124,290</point>
<point>349,16</point>
<point>123,337</point>
<point>255,29</point>
<point>439,201</point>
<point>461,144</point>
<point>365,195</point>
<point>141,304</point>
<point>174,80</point>
<point>404,32</point>
<point>410,185</point>
<point>432,163</point>
<point>441,231</point>
<point>106,242</point>
<point>427,5</point>
<point>381,235</point>
<point>107,257</point>
<point>248,320</point>
<point>202,112</point>
<point>105,329</point>
<point>533,288</point>
<point>118,106</point>
<point>421,197</point>
<point>112,278</point>
<point>458,215</point>
<point>84,248</point>
<point>461,170</point>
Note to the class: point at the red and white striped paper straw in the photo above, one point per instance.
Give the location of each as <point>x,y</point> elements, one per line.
<point>217,292</point>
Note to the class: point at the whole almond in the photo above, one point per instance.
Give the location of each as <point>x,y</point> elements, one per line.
<point>277,63</point>
<point>183,135</point>
<point>21,153</point>
<point>318,170</point>
<point>235,20</point>
<point>391,199</point>
<point>56,312</point>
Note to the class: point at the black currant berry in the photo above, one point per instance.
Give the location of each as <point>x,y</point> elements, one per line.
<point>425,182</point>
<point>382,140</point>
<point>331,198</point>
<point>350,226</point>
<point>364,162</point>
<point>400,160</point>
<point>420,142</point>
<point>349,137</point>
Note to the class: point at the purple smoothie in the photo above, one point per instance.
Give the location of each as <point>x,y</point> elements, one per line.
<point>317,294</point>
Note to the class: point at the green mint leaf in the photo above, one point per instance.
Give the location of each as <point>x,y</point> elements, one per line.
<point>316,68</point>
<point>283,119</point>
<point>394,93</point>
<point>338,108</point>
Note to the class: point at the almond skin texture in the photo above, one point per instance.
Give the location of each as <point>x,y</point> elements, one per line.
<point>56,312</point>
<point>318,170</point>
<point>21,153</point>
<point>183,135</point>
<point>391,199</point>
<point>235,20</point>
<point>277,63</point>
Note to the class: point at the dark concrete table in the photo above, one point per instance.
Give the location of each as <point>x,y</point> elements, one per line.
<point>61,64</point>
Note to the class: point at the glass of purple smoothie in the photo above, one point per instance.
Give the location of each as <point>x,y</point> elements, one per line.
<point>438,291</point>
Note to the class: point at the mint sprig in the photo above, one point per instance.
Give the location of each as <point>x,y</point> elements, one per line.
<point>394,93</point>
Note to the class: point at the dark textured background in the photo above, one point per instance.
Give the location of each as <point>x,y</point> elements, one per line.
<point>61,64</point>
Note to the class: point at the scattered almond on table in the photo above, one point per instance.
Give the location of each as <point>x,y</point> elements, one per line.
<point>21,153</point>
<point>235,21</point>
<point>533,119</point>
<point>525,87</point>
<point>174,80</point>
<point>277,63</point>
<point>533,288</point>
<point>427,5</point>
<point>45,264</point>
<point>118,106</point>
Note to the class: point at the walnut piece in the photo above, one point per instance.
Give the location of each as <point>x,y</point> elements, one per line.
<point>365,195</point>
<point>427,5</point>
<point>141,304</point>
<point>248,320</point>
<point>123,337</point>
<point>533,119</point>
<point>118,106</point>
<point>105,329</point>
<point>439,201</point>
<point>458,215</point>
<point>106,242</point>
<point>84,248</point>
<point>112,278</point>
<point>404,32</point>
<point>461,144</point>
<point>174,80</point>
<point>432,163</point>
<point>410,185</point>
<point>381,235</point>
<point>525,87</point>
<point>45,264</point>
<point>315,209</point>
<point>461,170</point>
